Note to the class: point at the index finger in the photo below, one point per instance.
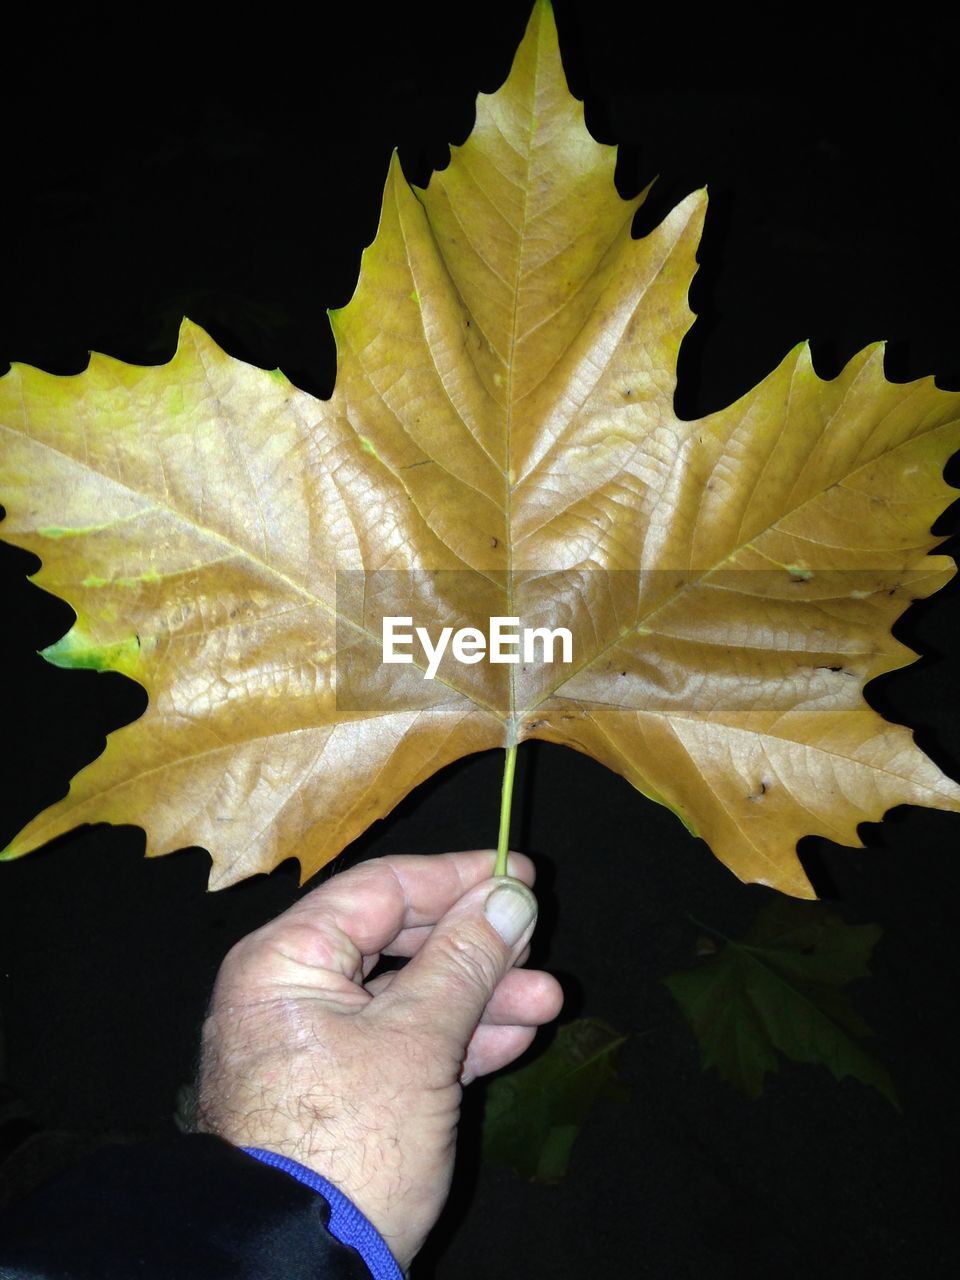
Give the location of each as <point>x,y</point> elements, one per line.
<point>374,902</point>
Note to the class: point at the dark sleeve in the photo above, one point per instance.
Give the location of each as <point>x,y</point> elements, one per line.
<point>192,1208</point>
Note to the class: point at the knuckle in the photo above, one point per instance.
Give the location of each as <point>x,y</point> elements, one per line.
<point>236,962</point>
<point>474,957</point>
<point>287,949</point>
<point>314,945</point>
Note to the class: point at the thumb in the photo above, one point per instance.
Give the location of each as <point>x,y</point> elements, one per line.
<point>446,986</point>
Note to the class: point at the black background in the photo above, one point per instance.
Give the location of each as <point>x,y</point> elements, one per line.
<point>155,166</point>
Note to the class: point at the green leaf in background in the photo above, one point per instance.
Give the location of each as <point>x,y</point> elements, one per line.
<point>782,990</point>
<point>533,1115</point>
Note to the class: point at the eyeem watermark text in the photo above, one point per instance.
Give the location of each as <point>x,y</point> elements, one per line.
<point>506,642</point>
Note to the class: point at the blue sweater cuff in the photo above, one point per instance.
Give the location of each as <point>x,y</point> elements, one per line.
<point>347,1223</point>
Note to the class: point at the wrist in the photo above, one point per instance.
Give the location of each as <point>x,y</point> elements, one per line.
<point>346,1222</point>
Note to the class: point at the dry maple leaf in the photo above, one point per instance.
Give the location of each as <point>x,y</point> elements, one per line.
<point>501,440</point>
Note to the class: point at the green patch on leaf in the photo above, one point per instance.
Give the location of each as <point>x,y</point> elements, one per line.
<point>533,1115</point>
<point>134,580</point>
<point>781,991</point>
<point>75,651</point>
<point>57,531</point>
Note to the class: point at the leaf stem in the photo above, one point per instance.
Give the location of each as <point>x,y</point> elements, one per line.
<point>506,800</point>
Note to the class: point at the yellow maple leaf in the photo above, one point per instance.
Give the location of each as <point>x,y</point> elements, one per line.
<point>501,441</point>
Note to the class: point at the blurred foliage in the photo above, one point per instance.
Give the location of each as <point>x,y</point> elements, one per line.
<point>782,990</point>
<point>534,1114</point>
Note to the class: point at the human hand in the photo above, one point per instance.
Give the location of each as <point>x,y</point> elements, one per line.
<point>361,1081</point>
